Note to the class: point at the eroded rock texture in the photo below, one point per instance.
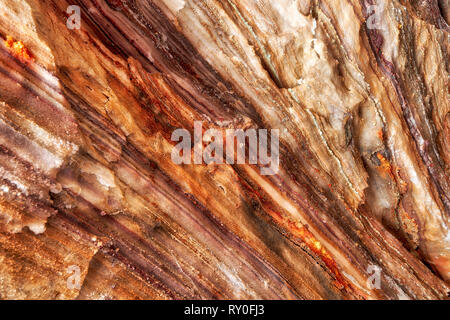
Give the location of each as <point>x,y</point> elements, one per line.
<point>87,180</point>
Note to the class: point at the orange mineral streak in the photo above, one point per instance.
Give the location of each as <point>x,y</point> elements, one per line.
<point>317,247</point>
<point>314,245</point>
<point>380,135</point>
<point>18,49</point>
<point>385,166</point>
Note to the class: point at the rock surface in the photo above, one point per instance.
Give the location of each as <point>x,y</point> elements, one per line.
<point>358,90</point>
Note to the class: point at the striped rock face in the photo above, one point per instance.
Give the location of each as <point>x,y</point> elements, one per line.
<point>95,96</point>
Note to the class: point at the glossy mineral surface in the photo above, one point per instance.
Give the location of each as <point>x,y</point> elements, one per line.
<point>93,207</point>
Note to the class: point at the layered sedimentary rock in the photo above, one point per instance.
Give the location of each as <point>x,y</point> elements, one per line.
<point>357,89</point>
